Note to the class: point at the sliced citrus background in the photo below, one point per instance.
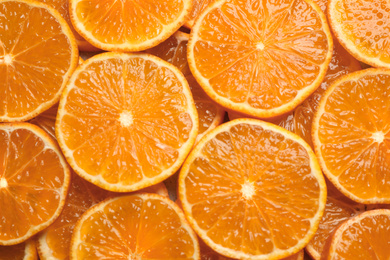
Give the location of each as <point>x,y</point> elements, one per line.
<point>362,28</point>
<point>198,7</point>
<point>126,121</point>
<point>23,251</point>
<point>38,53</point>
<point>34,180</point>
<point>365,236</point>
<point>261,60</point>
<point>252,190</point>
<point>131,25</point>
<point>351,131</point>
<point>62,6</point>
<point>142,226</point>
<point>174,50</point>
<point>54,241</point>
<point>47,120</point>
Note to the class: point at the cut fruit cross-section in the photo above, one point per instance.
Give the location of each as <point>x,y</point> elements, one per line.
<point>198,7</point>
<point>47,120</point>
<point>23,251</point>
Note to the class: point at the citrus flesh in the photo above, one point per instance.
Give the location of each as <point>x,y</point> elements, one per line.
<point>23,251</point>
<point>47,120</point>
<point>126,121</point>
<point>198,7</point>
<point>252,190</point>
<point>261,60</point>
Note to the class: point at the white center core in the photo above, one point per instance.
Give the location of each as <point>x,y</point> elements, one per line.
<point>248,190</point>
<point>126,118</point>
<point>260,46</point>
<point>7,59</point>
<point>378,137</point>
<point>134,256</point>
<point>3,183</point>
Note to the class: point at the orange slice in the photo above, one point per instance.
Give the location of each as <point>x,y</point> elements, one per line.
<point>252,190</point>
<point>351,131</point>
<point>174,50</point>
<point>38,53</point>
<point>129,25</point>
<point>62,6</point>
<point>126,121</point>
<point>54,242</point>
<point>198,7</point>
<point>23,251</point>
<point>260,60</point>
<point>362,28</point>
<point>47,120</point>
<point>144,226</point>
<point>365,236</point>
<point>34,180</point>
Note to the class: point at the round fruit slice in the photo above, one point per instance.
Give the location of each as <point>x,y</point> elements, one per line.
<point>38,53</point>
<point>143,226</point>
<point>62,6</point>
<point>34,180</point>
<point>351,135</point>
<point>128,25</point>
<point>198,7</point>
<point>252,190</point>
<point>365,236</point>
<point>23,251</point>
<point>361,27</point>
<point>47,120</point>
<point>126,121</point>
<point>54,241</point>
<point>262,62</point>
<point>174,50</point>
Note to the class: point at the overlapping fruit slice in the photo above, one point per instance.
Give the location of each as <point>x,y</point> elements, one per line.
<point>198,7</point>
<point>34,180</point>
<point>130,25</point>
<point>143,226</point>
<point>47,120</point>
<point>253,190</point>
<point>174,50</point>
<point>38,53</point>
<point>351,132</point>
<point>126,121</point>
<point>258,58</point>
<point>23,251</point>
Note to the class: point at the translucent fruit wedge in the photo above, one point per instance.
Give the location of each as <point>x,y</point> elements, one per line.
<point>198,7</point>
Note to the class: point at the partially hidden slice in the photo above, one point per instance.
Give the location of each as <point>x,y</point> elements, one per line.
<point>126,121</point>
<point>198,7</point>
<point>38,54</point>
<point>174,50</point>
<point>143,226</point>
<point>128,25</point>
<point>34,180</point>
<point>54,242</point>
<point>252,190</point>
<point>260,59</point>
<point>365,236</point>
<point>351,135</point>
<point>23,251</point>
<point>362,28</point>
<point>47,120</point>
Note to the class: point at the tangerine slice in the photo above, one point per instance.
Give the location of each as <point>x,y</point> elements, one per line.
<point>260,59</point>
<point>128,25</point>
<point>199,7</point>
<point>252,190</point>
<point>34,180</point>
<point>126,121</point>
<point>174,50</point>
<point>351,131</point>
<point>38,53</point>
<point>142,226</point>
<point>365,236</point>
<point>47,120</point>
<point>23,251</point>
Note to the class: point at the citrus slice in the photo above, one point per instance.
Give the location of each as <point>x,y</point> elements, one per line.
<point>34,180</point>
<point>365,236</point>
<point>252,190</point>
<point>54,241</point>
<point>143,226</point>
<point>351,131</point>
<point>198,7</point>
<point>126,121</point>
<point>23,251</point>
<point>261,60</point>
<point>38,53</point>
<point>361,27</point>
<point>174,50</point>
<point>128,25</point>
<point>62,6</point>
<point>47,120</point>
